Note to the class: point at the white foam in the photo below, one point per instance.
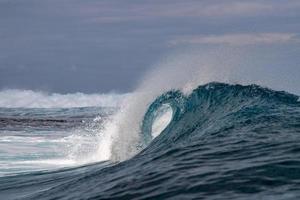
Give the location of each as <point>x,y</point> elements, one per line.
<point>14,98</point>
<point>70,148</point>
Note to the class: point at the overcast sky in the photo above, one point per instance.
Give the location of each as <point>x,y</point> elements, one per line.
<point>104,45</point>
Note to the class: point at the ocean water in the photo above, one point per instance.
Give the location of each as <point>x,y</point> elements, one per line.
<point>219,141</point>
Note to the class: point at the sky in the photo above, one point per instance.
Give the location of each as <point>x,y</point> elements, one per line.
<point>93,46</point>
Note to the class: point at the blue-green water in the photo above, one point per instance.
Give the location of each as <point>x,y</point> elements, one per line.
<point>222,142</point>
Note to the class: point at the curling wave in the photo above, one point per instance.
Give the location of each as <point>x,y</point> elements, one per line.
<point>214,107</point>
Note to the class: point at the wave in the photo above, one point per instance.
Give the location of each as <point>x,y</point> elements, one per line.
<point>14,98</point>
<point>183,72</point>
<point>219,136</point>
<point>214,108</point>
<point>131,130</point>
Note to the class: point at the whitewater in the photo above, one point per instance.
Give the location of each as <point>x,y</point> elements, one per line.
<point>197,126</point>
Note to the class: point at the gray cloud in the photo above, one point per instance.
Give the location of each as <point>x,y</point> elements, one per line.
<point>109,12</point>
<point>92,46</point>
<point>238,39</point>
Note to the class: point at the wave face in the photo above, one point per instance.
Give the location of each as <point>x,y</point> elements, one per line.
<point>222,142</point>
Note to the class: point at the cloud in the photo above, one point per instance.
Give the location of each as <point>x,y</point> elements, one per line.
<point>107,11</point>
<point>237,39</point>
<point>224,8</point>
<point>212,10</point>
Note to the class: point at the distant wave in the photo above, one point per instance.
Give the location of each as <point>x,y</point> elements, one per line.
<point>14,98</point>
